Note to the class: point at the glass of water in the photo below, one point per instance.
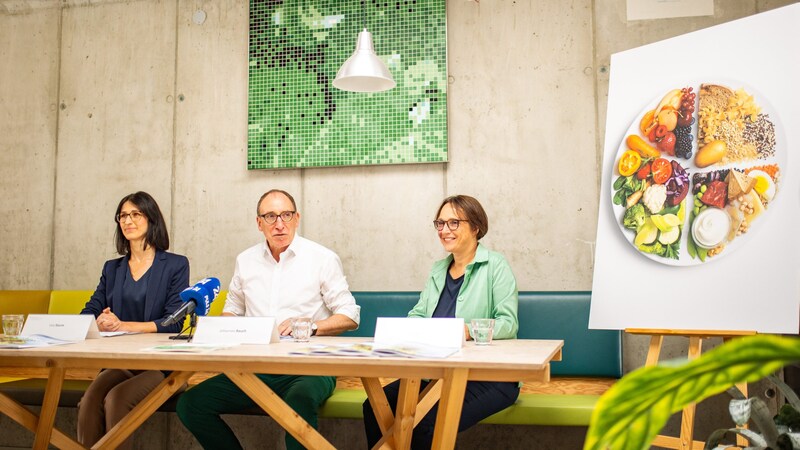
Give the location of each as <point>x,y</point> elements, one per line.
<point>482,331</point>
<point>12,324</point>
<point>301,329</point>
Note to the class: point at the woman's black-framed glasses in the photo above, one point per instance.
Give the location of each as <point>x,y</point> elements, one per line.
<point>135,216</point>
<point>271,217</point>
<point>452,224</point>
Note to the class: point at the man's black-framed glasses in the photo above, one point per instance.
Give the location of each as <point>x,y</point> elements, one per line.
<point>271,217</point>
<point>452,224</point>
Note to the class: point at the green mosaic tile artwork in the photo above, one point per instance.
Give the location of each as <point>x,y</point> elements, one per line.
<point>296,118</point>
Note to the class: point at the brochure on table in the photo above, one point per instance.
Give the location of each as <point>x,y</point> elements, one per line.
<point>745,279</point>
<point>229,330</point>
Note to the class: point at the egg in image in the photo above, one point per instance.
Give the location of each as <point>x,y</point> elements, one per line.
<point>764,186</point>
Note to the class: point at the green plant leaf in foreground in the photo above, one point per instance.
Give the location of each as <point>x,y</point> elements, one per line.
<point>630,414</point>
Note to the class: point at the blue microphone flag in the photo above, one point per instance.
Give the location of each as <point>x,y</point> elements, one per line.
<point>202,293</point>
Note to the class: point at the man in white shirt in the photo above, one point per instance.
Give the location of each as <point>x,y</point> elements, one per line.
<point>284,277</point>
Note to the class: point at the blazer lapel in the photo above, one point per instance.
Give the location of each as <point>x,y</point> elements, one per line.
<point>153,286</point>
<point>119,280</point>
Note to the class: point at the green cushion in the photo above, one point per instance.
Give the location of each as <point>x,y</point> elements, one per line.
<point>530,409</point>
<point>24,302</point>
<point>547,409</point>
<point>68,302</point>
<point>344,404</point>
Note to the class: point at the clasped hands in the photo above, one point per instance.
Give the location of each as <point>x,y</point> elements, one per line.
<point>108,321</point>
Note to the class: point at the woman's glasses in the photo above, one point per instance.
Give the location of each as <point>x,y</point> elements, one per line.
<point>452,224</point>
<point>133,215</point>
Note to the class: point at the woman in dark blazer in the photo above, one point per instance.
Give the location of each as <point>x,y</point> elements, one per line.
<point>135,293</point>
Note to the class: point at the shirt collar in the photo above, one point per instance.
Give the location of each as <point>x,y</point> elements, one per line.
<point>293,248</point>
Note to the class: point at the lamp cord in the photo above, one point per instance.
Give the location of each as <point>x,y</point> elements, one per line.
<point>363,15</point>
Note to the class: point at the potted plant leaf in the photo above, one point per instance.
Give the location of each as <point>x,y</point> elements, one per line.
<point>630,414</point>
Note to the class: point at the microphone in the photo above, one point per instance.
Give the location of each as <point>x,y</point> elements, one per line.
<point>196,300</point>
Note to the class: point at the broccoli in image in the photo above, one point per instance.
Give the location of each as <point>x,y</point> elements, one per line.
<point>634,217</point>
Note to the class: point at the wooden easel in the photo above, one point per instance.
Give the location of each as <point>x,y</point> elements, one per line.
<point>685,441</point>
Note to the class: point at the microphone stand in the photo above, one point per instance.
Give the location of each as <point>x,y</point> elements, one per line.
<point>190,328</point>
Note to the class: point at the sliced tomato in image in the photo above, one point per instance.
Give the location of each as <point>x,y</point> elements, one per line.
<point>629,163</point>
<point>662,170</point>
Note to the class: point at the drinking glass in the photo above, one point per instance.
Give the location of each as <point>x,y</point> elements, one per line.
<point>301,329</point>
<point>12,324</point>
<point>482,331</point>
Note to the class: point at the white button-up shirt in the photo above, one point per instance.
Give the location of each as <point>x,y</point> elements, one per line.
<point>308,281</point>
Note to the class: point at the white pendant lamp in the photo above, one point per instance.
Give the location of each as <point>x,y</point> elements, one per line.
<point>364,71</point>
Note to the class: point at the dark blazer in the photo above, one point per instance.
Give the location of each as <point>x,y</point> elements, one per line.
<point>169,276</point>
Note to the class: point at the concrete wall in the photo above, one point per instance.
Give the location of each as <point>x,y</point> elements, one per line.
<point>100,98</point>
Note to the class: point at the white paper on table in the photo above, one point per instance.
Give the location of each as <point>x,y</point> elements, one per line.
<point>434,337</point>
<point>235,330</point>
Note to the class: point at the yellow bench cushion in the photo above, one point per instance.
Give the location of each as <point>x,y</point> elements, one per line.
<point>24,302</point>
<point>68,302</point>
<point>72,302</point>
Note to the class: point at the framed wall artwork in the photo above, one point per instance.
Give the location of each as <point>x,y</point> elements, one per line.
<point>297,119</point>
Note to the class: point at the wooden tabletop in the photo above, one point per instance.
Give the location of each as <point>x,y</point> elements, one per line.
<point>503,360</point>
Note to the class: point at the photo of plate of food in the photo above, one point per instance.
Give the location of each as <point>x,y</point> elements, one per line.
<point>697,172</point>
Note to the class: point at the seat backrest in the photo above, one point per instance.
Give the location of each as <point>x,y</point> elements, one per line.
<point>216,307</point>
<point>381,304</point>
<point>24,302</point>
<point>565,316</point>
<point>68,302</point>
<point>542,315</point>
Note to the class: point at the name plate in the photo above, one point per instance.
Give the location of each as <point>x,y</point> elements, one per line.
<point>442,332</point>
<point>67,327</point>
<point>235,330</point>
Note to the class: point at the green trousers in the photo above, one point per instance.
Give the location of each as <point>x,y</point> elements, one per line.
<point>200,407</point>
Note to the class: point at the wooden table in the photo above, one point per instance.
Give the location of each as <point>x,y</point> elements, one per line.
<point>510,360</point>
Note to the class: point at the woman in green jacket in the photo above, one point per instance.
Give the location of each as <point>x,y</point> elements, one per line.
<point>472,282</point>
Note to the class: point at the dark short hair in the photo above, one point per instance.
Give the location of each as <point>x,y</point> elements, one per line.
<point>275,191</point>
<point>157,235</point>
<point>472,211</point>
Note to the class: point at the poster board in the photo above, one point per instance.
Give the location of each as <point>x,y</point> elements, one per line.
<point>754,284</point>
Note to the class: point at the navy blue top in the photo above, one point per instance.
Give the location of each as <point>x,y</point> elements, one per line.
<point>134,294</point>
<point>447,300</point>
<point>168,276</point>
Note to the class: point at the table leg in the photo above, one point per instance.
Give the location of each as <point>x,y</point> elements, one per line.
<point>142,411</point>
<point>380,406</point>
<point>52,392</point>
<point>427,399</point>
<point>27,419</point>
<point>280,412</point>
<point>404,413</point>
<point>449,415</point>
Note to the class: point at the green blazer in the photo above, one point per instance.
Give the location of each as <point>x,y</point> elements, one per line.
<point>489,291</point>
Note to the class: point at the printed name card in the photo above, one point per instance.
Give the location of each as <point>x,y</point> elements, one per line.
<point>444,332</point>
<point>235,330</point>
<point>67,327</point>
